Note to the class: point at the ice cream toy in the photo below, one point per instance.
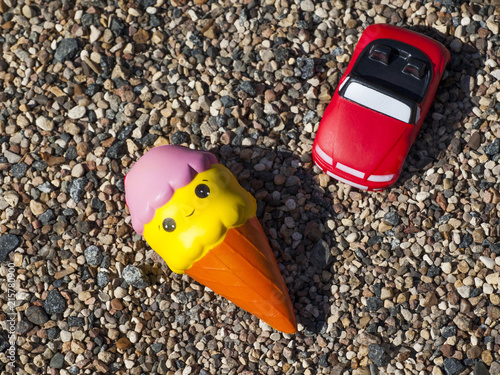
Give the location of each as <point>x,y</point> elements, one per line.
<point>193,212</point>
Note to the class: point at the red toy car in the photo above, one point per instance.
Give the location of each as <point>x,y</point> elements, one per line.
<point>379,106</point>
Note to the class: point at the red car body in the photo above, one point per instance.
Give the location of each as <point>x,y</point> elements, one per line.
<point>379,106</point>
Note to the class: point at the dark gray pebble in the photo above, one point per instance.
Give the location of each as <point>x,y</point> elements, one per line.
<point>93,255</point>
<point>67,50</point>
<point>8,242</point>
<point>57,361</point>
<point>23,327</point>
<point>452,366</point>
<point>54,303</point>
<point>77,189</point>
<point>117,150</point>
<point>321,256</point>
<point>37,315</point>
<point>135,277</point>
<point>75,321</point>
<point>377,355</point>
<point>19,170</point>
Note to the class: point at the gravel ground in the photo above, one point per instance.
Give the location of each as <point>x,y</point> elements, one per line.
<point>405,281</point>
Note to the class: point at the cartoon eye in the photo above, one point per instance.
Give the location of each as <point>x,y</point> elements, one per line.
<point>169,224</point>
<point>202,191</point>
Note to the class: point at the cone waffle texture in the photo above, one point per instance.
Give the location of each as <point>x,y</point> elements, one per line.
<point>243,269</point>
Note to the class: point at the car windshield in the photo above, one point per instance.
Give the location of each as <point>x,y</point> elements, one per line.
<point>378,101</point>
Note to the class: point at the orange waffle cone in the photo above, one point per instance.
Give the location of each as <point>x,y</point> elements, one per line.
<point>243,269</point>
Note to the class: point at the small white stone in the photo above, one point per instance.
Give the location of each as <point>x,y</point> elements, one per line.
<point>492,278</point>
<point>487,289</point>
<point>307,6</point>
<point>321,13</point>
<point>95,34</point>
<point>77,112</point>
<point>44,123</point>
<point>78,171</point>
<point>11,157</point>
<point>11,198</point>
<point>488,262</point>
<point>120,292</point>
<point>352,237</point>
<point>446,267</point>
<point>422,196</point>
<point>464,291</point>
<point>65,336</point>
<point>133,337</point>
<point>380,19</point>
<point>493,26</point>
<point>496,74</point>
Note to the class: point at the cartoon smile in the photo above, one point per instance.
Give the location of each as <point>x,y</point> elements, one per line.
<point>191,213</point>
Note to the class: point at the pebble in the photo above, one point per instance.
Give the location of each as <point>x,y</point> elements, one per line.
<point>488,262</point>
<point>36,315</point>
<point>54,303</point>
<point>8,243</point>
<point>44,123</point>
<point>93,255</point>
<point>481,369</point>
<point>77,112</point>
<point>67,49</point>
<point>135,277</point>
<point>78,171</point>
<point>65,336</point>
<point>464,291</point>
<point>307,6</point>
<point>377,355</point>
<point>320,255</point>
<point>116,304</point>
<point>452,366</point>
<point>57,361</point>
<point>102,279</point>
<point>11,157</point>
<point>77,189</point>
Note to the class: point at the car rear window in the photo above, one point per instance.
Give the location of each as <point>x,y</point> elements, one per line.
<point>378,101</point>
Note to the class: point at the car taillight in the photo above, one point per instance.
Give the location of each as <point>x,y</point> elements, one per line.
<point>323,155</point>
<point>350,170</point>
<point>381,178</point>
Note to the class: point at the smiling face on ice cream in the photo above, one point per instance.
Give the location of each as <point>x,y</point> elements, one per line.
<point>197,217</point>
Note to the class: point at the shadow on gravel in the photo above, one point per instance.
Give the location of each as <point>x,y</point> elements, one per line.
<point>452,105</point>
<point>294,213</point>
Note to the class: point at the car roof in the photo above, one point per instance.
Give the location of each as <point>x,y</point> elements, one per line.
<point>395,66</point>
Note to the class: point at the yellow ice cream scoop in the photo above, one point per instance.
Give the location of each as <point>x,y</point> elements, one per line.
<point>197,217</point>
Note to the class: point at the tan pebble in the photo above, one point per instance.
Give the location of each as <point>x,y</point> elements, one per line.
<point>141,36</point>
<point>123,343</point>
<point>83,296</point>
<point>65,272</point>
<point>116,304</point>
<point>37,208</point>
<point>487,357</point>
<point>495,299</point>
<point>77,347</point>
<point>210,33</point>
<point>78,171</point>
<point>463,266</point>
